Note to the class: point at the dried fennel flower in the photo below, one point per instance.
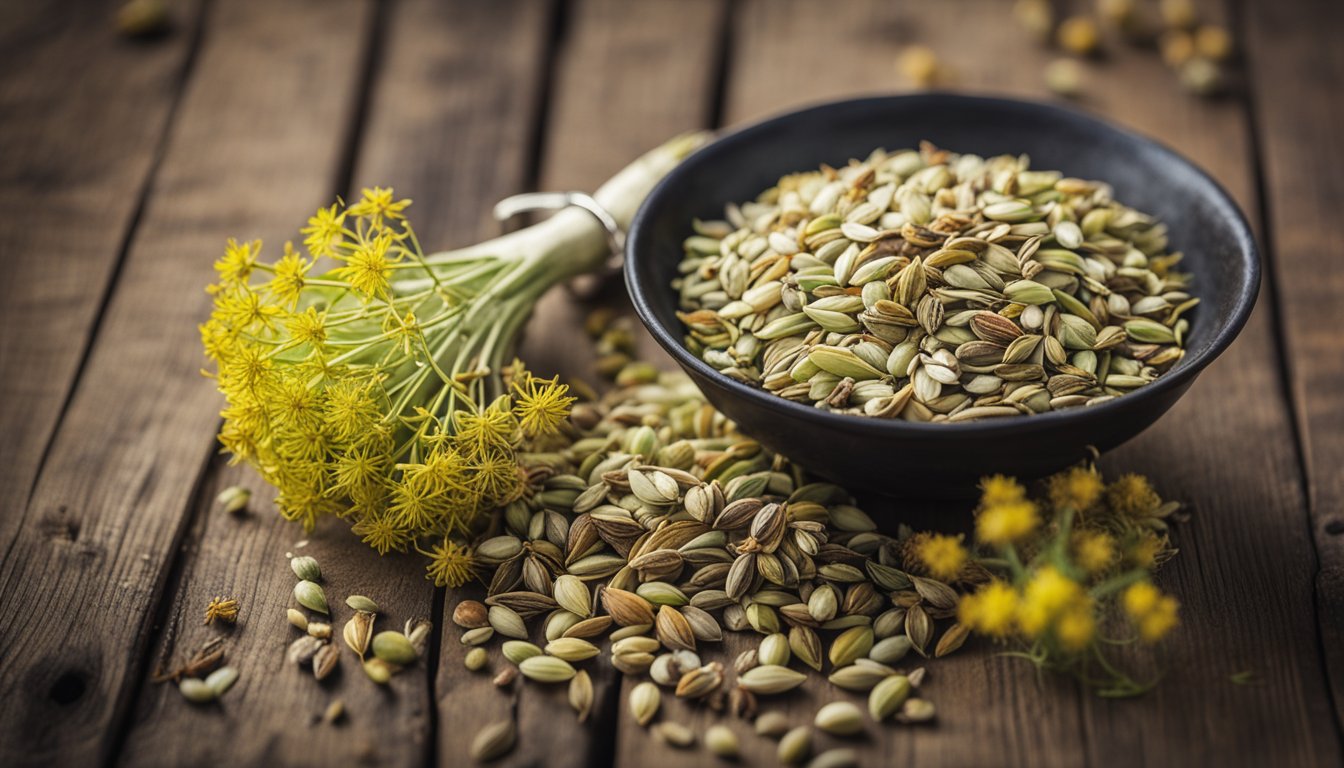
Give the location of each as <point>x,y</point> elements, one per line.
<point>222,608</point>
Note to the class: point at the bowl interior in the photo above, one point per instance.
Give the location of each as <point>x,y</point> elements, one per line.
<point>1202,220</point>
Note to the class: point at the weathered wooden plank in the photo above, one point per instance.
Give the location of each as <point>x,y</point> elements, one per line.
<point>1242,572</point>
<point>451,124</point>
<point>87,563</point>
<point>71,196</point>
<point>1295,65</point>
<point>991,710</point>
<point>473,127</point>
<point>453,111</point>
<point>601,114</point>
<point>478,128</point>
<point>273,714</point>
<point>629,76</point>
<point>586,65</point>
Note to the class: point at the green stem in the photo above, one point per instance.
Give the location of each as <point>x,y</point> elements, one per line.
<point>1117,583</point>
<point>501,280</point>
<point>1015,566</point>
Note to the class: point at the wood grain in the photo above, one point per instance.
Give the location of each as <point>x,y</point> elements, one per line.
<point>1238,564</point>
<point>71,196</point>
<point>1294,62</point>
<point>87,565</point>
<point>278,705</point>
<point>453,111</point>
<point>628,77</point>
<point>444,127</point>
<point>451,124</point>
<point>991,710</point>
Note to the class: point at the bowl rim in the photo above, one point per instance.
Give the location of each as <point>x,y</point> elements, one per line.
<point>1172,381</point>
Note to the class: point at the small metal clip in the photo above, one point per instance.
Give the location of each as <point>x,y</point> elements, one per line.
<point>554,201</point>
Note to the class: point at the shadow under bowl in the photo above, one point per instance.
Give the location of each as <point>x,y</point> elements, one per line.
<point>903,458</point>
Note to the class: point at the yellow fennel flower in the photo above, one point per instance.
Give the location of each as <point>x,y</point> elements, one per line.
<point>377,204</point>
<point>1141,599</point>
<point>308,327</point>
<point>1047,595</point>
<point>359,470</point>
<point>413,503</point>
<point>238,261</point>
<point>1006,522</point>
<point>1076,627</point>
<point>245,311</point>
<point>301,499</point>
<point>444,470</point>
<point>292,402</point>
<point>990,611</point>
<point>1154,613</point>
<point>1143,553</point>
<point>381,533</point>
<point>216,339</point>
<point>1160,621</point>
<point>1078,488</point>
<point>351,410</point>
<point>245,372</point>
<point>541,404</point>
<point>997,489</point>
<point>942,555</point>
<point>369,266</point>
<point>324,230</point>
<point>1093,551</point>
<point>494,428</point>
<point>497,476</point>
<point>1132,497</point>
<point>450,564</point>
<point>290,276</point>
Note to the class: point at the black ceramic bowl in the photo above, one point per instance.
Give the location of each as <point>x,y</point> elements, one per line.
<point>932,459</point>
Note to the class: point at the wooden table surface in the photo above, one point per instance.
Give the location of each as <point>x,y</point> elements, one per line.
<point>125,166</point>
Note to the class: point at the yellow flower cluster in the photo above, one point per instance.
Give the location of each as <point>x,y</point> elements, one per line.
<point>1078,488</point>
<point>1007,523</point>
<point>373,391</point>
<point>992,610</point>
<point>1093,551</point>
<point>1054,603</point>
<point>942,556</point>
<point>1005,514</point>
<point>1057,577</point>
<point>1050,606</point>
<point>1151,611</point>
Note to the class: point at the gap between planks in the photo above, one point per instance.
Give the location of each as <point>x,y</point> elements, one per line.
<point>141,101</point>
<point>120,464</point>
<point>602,110</point>
<point>196,26</point>
<point>1291,40</point>
<point>183,592</point>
